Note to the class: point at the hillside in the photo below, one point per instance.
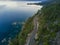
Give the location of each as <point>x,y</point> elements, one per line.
<point>20,39</point>
<point>49,25</point>
<point>48,29</point>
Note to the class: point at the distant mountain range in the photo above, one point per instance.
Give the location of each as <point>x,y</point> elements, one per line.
<point>44,2</point>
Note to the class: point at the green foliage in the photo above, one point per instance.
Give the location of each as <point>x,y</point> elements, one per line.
<point>27,28</point>
<point>14,41</point>
<point>49,23</point>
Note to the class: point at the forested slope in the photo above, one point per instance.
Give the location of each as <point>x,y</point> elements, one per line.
<point>48,30</point>
<point>49,25</point>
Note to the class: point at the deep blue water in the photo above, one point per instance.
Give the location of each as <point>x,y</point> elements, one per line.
<point>7,29</point>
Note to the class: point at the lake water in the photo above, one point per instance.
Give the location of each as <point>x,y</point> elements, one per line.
<point>10,24</point>
<point>11,17</point>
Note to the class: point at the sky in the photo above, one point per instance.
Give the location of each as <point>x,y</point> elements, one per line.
<point>19,0</point>
<point>22,0</point>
